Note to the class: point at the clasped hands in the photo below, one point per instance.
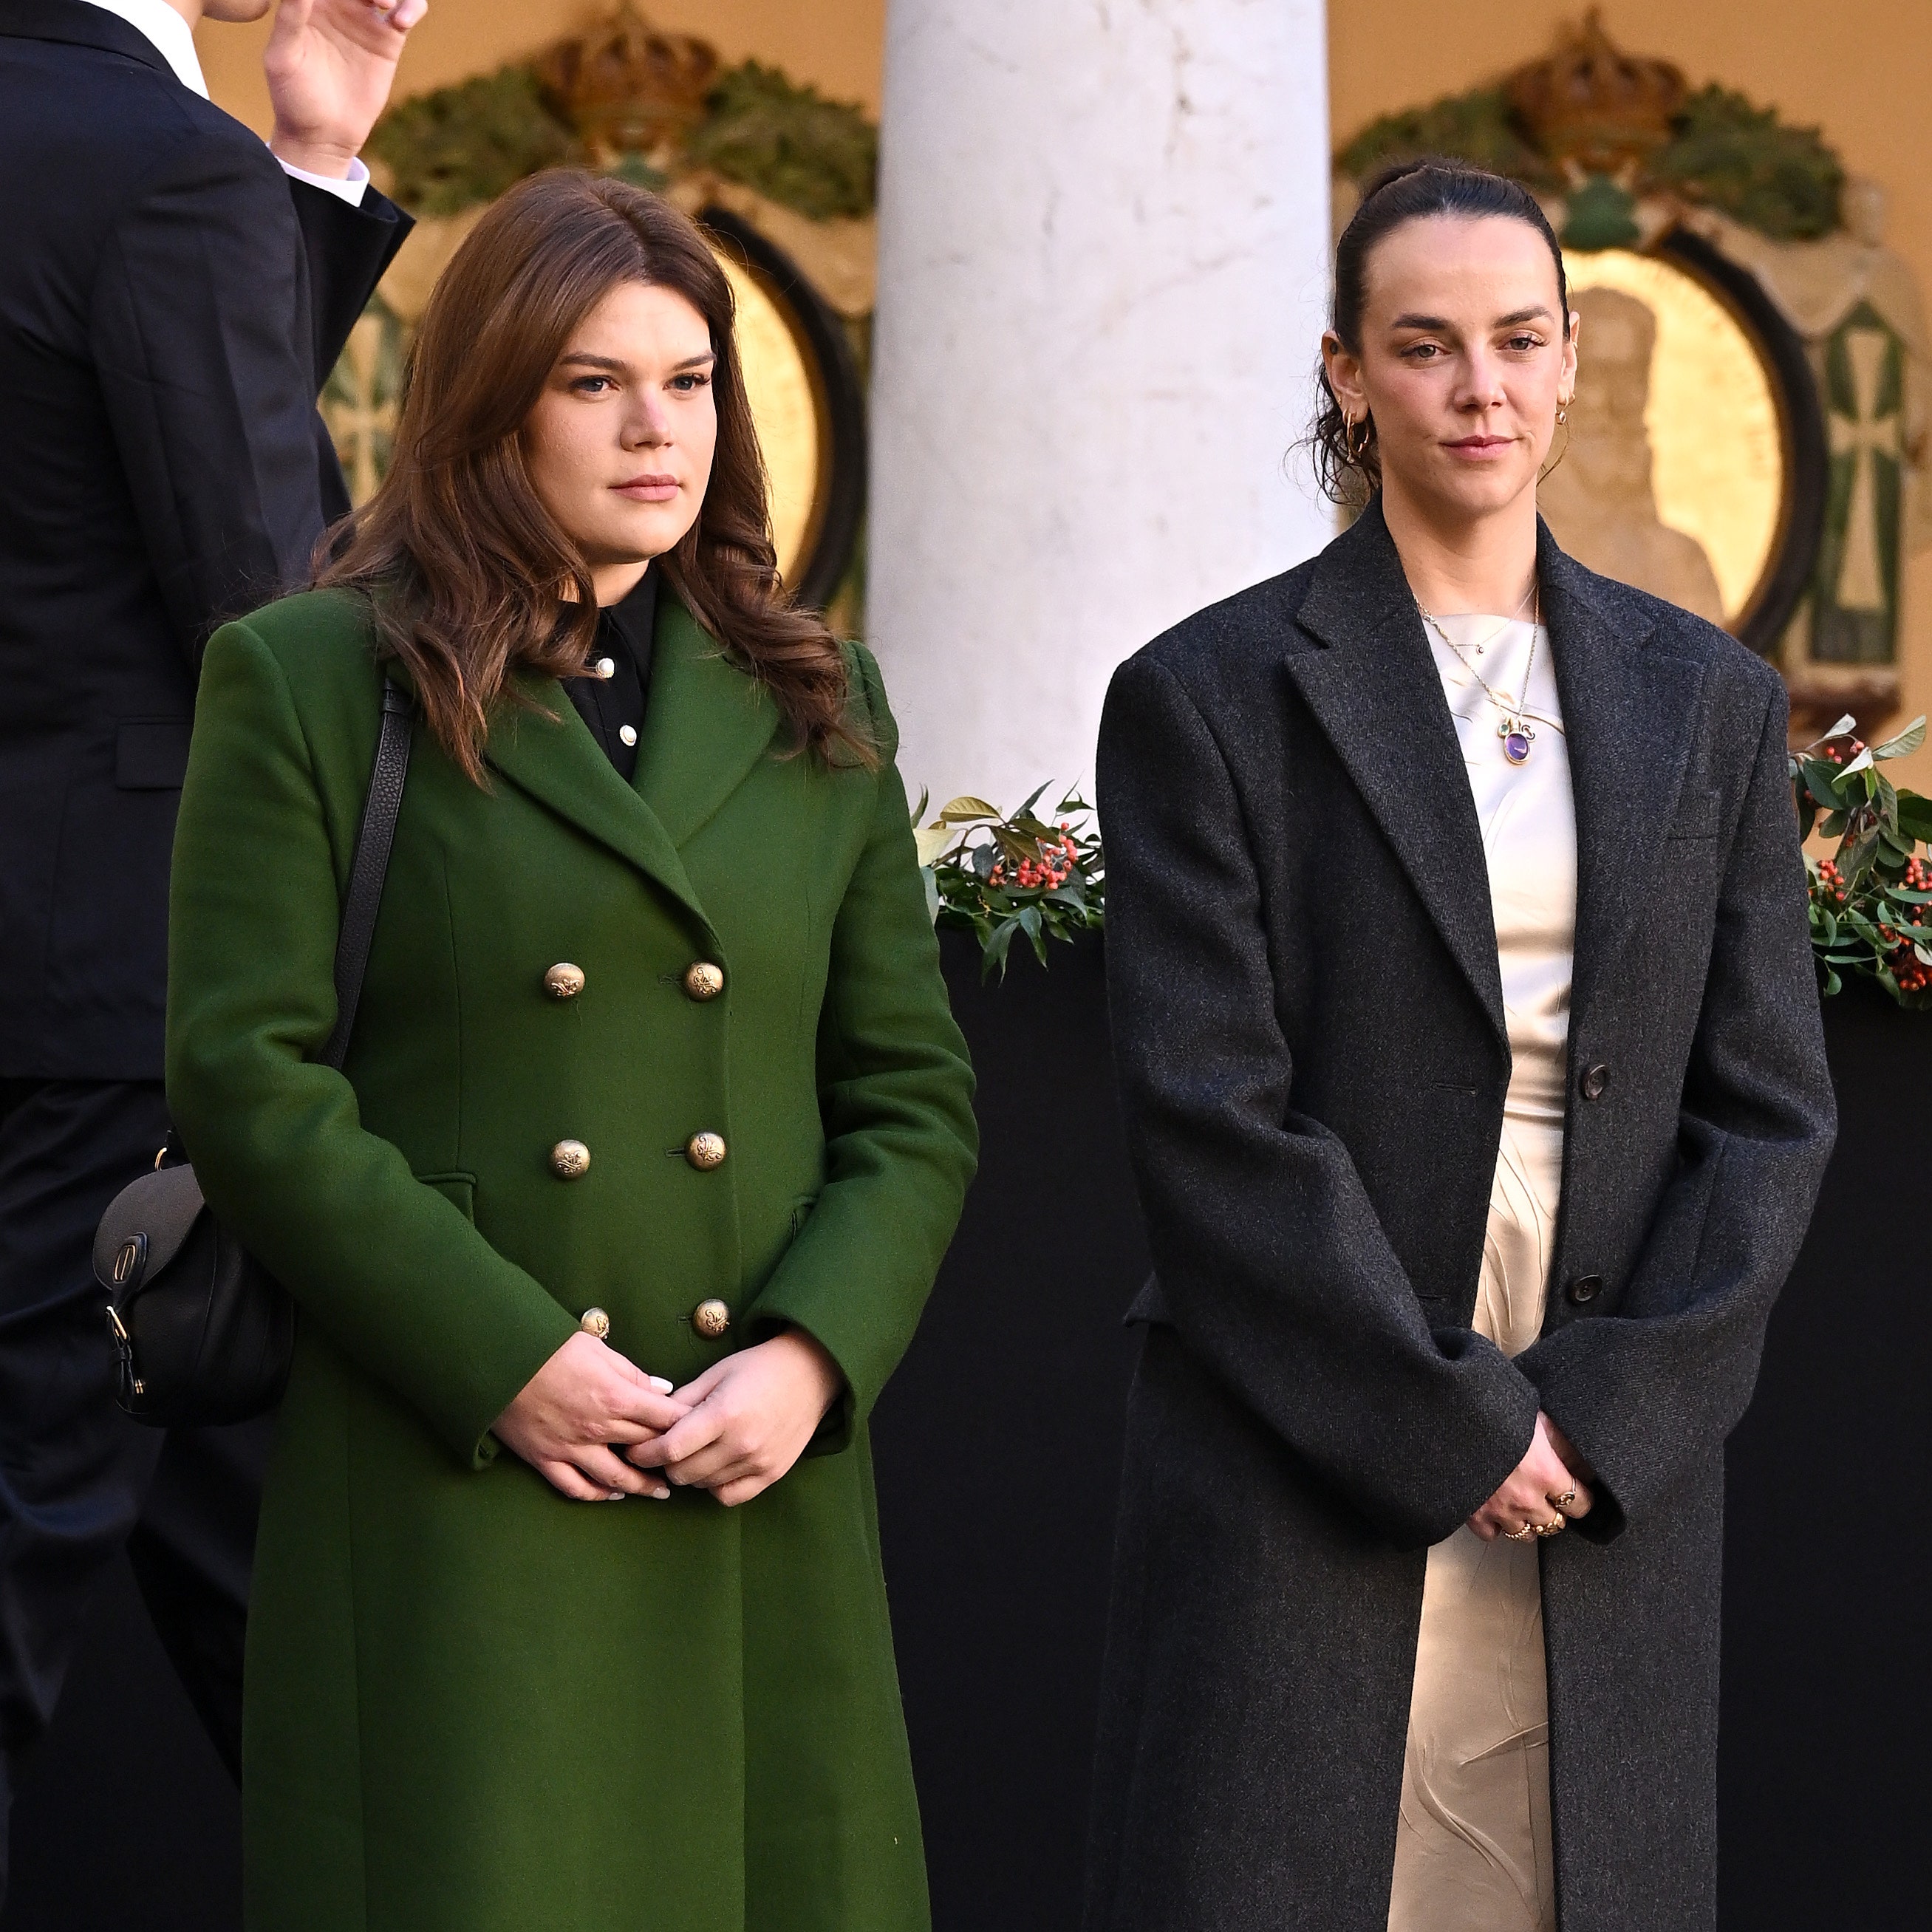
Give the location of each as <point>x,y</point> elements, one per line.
<point>597,1428</point>
<point>1547,1490</point>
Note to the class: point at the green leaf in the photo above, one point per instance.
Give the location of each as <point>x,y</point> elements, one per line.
<point>933,842</point>
<point>1833,984</point>
<point>1862,763</point>
<point>965,810</point>
<point>1821,780</point>
<point>993,952</point>
<point>1907,741</point>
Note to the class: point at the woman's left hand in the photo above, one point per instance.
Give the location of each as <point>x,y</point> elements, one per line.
<point>752,1415</point>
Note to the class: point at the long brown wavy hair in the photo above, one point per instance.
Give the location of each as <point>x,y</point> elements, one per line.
<point>470,579</point>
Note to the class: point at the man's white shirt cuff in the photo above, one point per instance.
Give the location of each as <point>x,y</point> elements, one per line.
<point>348,187</point>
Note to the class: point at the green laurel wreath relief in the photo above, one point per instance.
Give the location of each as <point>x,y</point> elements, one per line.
<point>1724,152</point>
<point>468,143</point>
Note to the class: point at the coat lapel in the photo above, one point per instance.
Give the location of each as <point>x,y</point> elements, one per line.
<point>1629,713</point>
<point>1374,690</point>
<point>706,725</point>
<point>705,728</point>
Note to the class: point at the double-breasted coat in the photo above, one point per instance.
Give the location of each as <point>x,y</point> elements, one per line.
<point>1308,1023</point>
<point>472,1705</point>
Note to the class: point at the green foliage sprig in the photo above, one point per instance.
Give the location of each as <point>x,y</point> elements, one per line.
<point>1868,900</point>
<point>998,877</point>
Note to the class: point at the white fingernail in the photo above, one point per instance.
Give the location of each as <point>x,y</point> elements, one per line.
<point>615,1496</point>
<point>658,1383</point>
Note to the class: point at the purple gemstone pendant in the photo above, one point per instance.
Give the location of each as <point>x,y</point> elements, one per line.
<point>1517,735</point>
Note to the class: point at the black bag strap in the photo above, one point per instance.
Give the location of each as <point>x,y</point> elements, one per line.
<point>380,810</point>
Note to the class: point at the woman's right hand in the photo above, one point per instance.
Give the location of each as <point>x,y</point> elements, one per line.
<point>1529,1499</point>
<point>574,1414</point>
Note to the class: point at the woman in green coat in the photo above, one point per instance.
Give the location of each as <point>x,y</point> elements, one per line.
<point>653,1130</point>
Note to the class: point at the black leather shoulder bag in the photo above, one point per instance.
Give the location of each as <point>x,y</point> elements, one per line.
<point>202,1333</point>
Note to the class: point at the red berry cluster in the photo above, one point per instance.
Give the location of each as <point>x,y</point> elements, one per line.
<point>1831,882</point>
<point>1053,867</point>
<point>1918,875</point>
<point>1841,755</point>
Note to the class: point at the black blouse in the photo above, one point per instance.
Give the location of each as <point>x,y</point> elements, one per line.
<point>611,694</point>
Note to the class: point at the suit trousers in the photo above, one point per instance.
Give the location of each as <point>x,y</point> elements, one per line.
<point>78,1480</point>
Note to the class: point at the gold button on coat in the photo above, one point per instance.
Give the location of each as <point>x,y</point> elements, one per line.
<point>703,981</point>
<point>702,1150</point>
<point>569,1159</point>
<point>711,1319</point>
<point>595,1321</point>
<point>564,981</point>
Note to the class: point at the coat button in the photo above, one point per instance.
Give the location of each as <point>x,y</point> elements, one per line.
<point>704,1151</point>
<point>703,980</point>
<point>628,734</point>
<point>1596,1078</point>
<point>570,1159</point>
<point>1584,1288</point>
<point>605,668</point>
<point>564,981</point>
<point>595,1321</point>
<point>711,1319</point>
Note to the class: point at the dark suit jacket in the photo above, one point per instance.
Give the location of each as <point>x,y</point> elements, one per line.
<point>170,304</point>
<point>1308,1023</point>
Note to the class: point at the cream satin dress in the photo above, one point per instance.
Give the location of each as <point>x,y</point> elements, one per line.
<point>1473,1847</point>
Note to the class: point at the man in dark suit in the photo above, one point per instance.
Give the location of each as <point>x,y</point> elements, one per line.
<point>172,295</point>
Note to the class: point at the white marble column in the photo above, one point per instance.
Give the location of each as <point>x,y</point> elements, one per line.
<point>1103,244</point>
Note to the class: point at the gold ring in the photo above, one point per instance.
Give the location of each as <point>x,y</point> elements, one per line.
<point>1521,1535</point>
<point>1564,1501</point>
<point>1562,1522</point>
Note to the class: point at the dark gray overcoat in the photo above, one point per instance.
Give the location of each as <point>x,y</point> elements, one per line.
<point>1308,1023</point>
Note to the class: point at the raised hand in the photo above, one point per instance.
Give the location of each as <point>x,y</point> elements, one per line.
<point>1542,1494</point>
<point>579,1410</point>
<point>330,64</point>
<point>751,1416</point>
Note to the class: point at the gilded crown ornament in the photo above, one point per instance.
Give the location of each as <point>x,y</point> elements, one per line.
<point>627,87</point>
<point>1593,108</point>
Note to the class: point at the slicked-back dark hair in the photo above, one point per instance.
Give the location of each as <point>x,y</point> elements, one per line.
<point>1410,191</point>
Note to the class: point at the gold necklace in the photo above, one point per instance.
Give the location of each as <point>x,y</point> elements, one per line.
<point>1516,732</point>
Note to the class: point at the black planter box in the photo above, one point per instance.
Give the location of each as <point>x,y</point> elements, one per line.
<point>1825,1774</point>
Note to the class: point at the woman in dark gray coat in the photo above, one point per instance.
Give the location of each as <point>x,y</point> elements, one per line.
<point>1469,1042</point>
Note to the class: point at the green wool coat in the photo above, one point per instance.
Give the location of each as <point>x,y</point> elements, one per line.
<point>473,1705</point>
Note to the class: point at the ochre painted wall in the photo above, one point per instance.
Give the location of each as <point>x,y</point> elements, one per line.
<point>834,44</point>
<point>1861,70</point>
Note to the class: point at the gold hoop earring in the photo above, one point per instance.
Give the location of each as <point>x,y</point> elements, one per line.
<point>1355,440</point>
<point>1562,414</point>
